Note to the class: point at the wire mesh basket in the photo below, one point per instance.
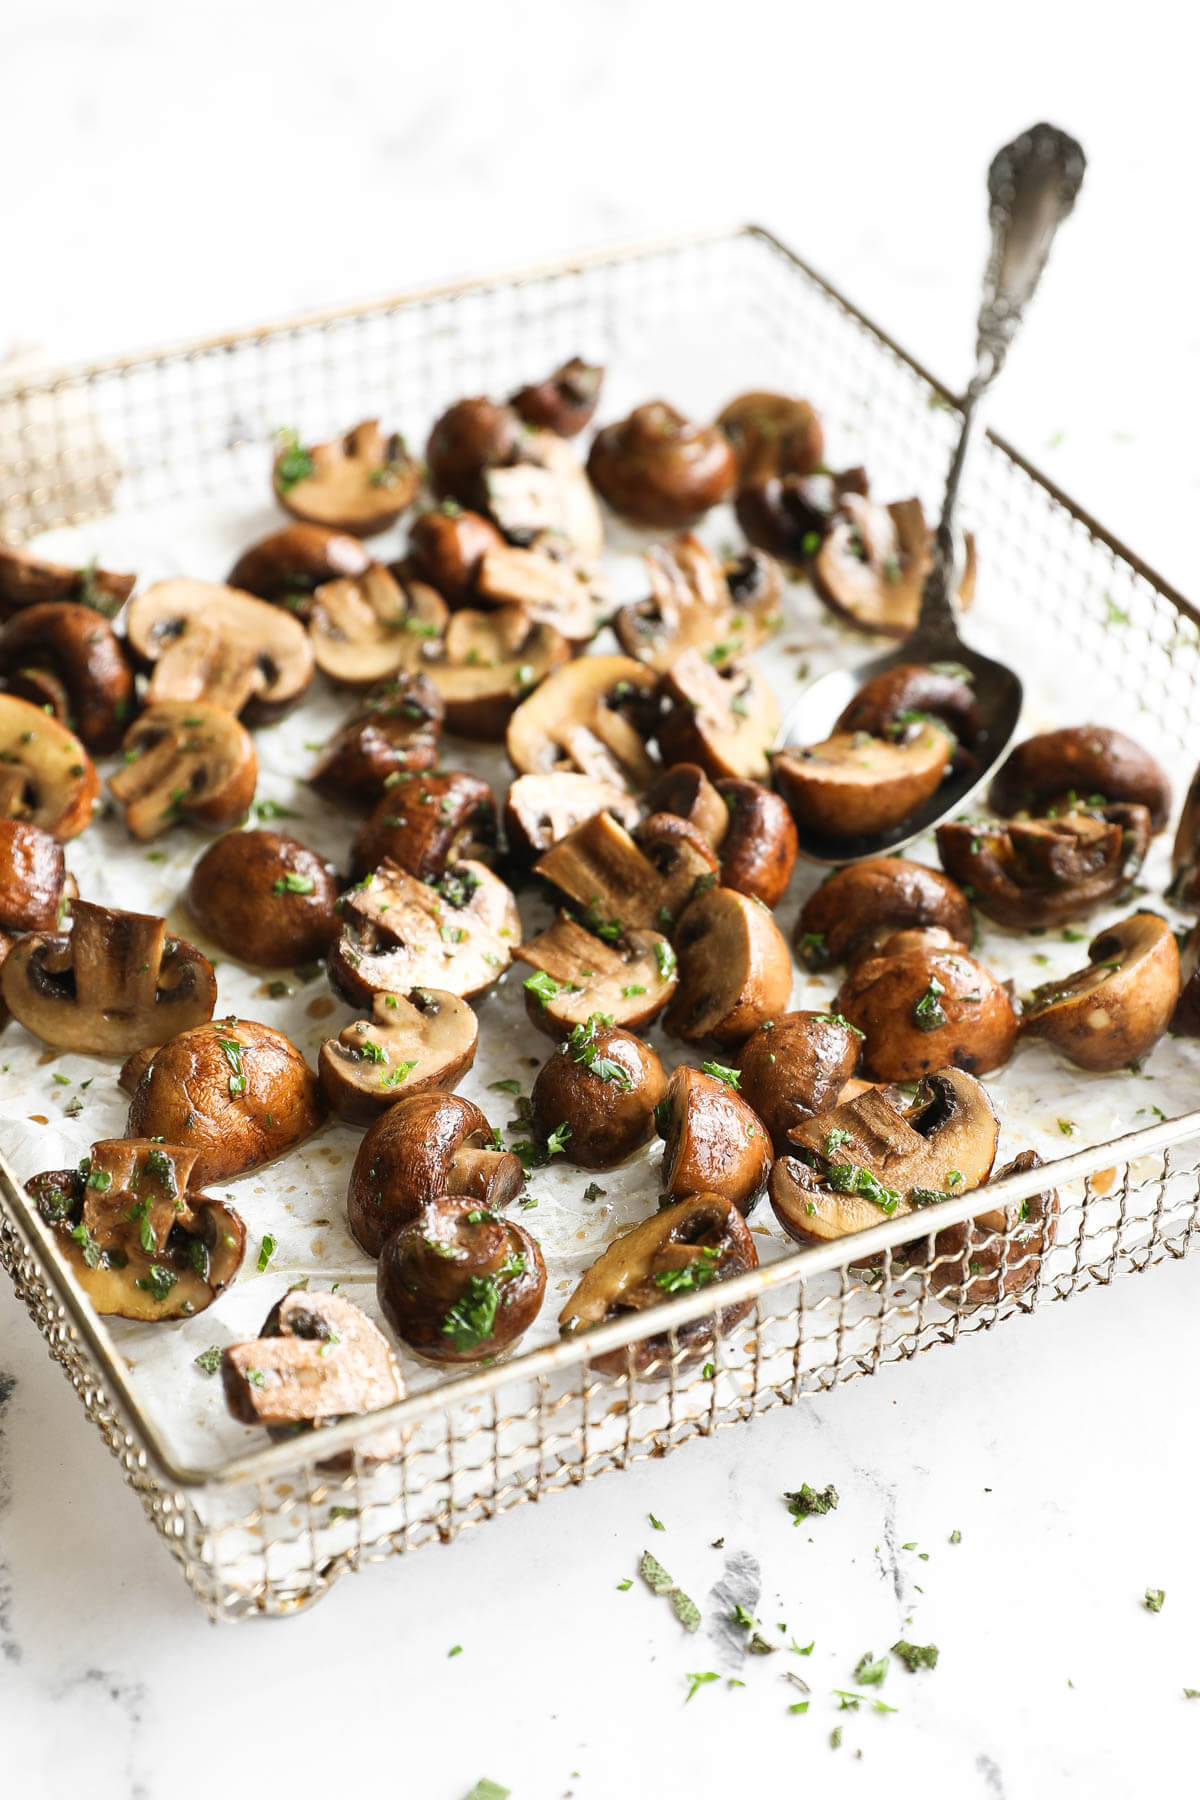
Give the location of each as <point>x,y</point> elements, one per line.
<point>268,1531</point>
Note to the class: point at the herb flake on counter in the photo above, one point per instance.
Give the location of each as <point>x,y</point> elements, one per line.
<point>657,1523</point>
<point>208,1361</point>
<point>488,1790</point>
<point>806,1502</point>
<point>1154,1599</point>
<point>915,1656</point>
<point>266,1252</point>
<point>697,1682</point>
<point>659,1582</point>
<point>871,1671</point>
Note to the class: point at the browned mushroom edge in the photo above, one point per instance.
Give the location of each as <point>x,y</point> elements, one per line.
<point>926,1009</point>
<point>459,1283</point>
<point>856,909</point>
<point>603,1084</point>
<point>713,1142</point>
<point>1081,765</point>
<point>1038,872</point>
<point>1111,1013</point>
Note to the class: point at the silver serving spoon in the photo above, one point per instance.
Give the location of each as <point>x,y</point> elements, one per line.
<point>1032,185</point>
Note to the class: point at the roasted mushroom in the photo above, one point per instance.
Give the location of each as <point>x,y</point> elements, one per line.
<point>1185,853</point>
<point>1041,872</point>
<point>584,717</point>
<point>998,1253</point>
<point>552,586</point>
<point>286,566</point>
<point>359,483</point>
<point>713,1142</point>
<point>140,1241</point>
<point>446,546</point>
<point>603,1085</point>
<point>698,1240</point>
<point>542,809</point>
<point>115,984</point>
<point>696,603</point>
<point>28,580</point>
<point>265,899</point>
<point>617,883</point>
<point>685,790</point>
<point>459,1284</point>
<point>772,434</point>
<point>926,1009</point>
<point>470,438</point>
<point>421,1149</point>
<point>425,823</point>
<point>1186,1021</point>
<point>628,980</point>
<point>855,786</point>
<point>69,661</point>
<point>205,642</point>
<point>894,704</point>
<point>184,761</point>
<point>1114,1011</point>
<point>872,565</point>
<point>318,1359</point>
<point>758,846</point>
<point>398,933</point>
<point>367,629</point>
<point>47,777</point>
<point>1081,766</point>
<point>565,401</point>
<point>485,665</point>
<point>734,969</point>
<point>796,1066</point>
<point>236,1092</point>
<point>788,515</point>
<point>853,913</point>
<point>409,1045</point>
<point>544,501</point>
<point>393,732</point>
<point>33,874</point>
<point>658,468</point>
<point>722,716</point>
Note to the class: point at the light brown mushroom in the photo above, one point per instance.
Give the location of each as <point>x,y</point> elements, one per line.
<point>565,401</point>
<point>47,777</point>
<point>460,1284</point>
<point>895,704</point>
<point>658,468</point>
<point>926,1009</point>
<point>67,659</point>
<point>697,603</point>
<point>1081,766</point>
<point>1040,872</point>
<point>287,566</point>
<point>359,483</point>
<point>205,642</point>
<point>487,663</point>
<point>585,717</point>
<point>723,716</point>
<point>734,969</point>
<point>410,1044</point>
<point>617,883</point>
<point>184,761</point>
<point>1113,1012</point>
<point>603,1085</point>
<point>544,500</point>
<point>365,630</point>
<point>542,809</point>
<point>557,591</point>
<point>33,874</point>
<point>856,910</point>
<point>398,933</point>
<point>577,974</point>
<point>713,1141</point>
<point>28,580</point>
<point>318,1359</point>
<point>854,785</point>
<point>422,1149</point>
<point>426,823</point>
<point>795,1067</point>
<point>685,790</point>
<point>394,731</point>
<point>872,565</point>
<point>265,899</point>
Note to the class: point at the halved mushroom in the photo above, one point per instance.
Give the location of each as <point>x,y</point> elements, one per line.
<point>685,790</point>
<point>266,899</point>
<point>446,546</point>
<point>854,912</point>
<point>723,716</point>
<point>359,483</point>
<point>28,580</point>
<point>618,883</point>
<point>33,874</point>
<point>426,823</point>
<point>854,785</point>
<point>6,944</point>
<point>1081,766</point>
<point>734,969</point>
<point>185,761</point>
<point>794,1067</point>
<point>1115,1010</point>
<point>205,642</point>
<point>398,934</point>
<point>365,630</point>
<point>759,845</point>
<point>47,777</point>
<point>713,1142</point>
<point>772,434</point>
<point>543,500</point>
<point>460,1284</point>
<point>1045,871</point>
<point>893,705</point>
<point>699,1240</point>
<point>286,566</point>
<point>485,665</point>
<point>393,732</point>
<point>67,659</point>
<point>928,1009</point>
<point>873,563</point>
<point>469,438</point>
<point>695,602</point>
<point>583,717</point>
<point>140,1241</point>
<point>237,1093</point>
<point>884,1154</point>
<point>565,401</point>
<point>554,590</point>
<point>409,1045</point>
<point>628,980</point>
<point>788,515</point>
<point>603,1084</point>
<point>423,1148</point>
<point>1186,1020</point>
<point>999,1252</point>
<point>116,983</point>
<point>542,809</point>
<point>318,1359</point>
<point>658,468</point>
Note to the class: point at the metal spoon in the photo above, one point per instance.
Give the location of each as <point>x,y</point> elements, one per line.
<point>1032,185</point>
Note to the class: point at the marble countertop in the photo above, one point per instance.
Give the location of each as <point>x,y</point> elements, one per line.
<point>169,174</point>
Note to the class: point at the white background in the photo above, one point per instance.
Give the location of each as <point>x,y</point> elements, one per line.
<point>176,169</point>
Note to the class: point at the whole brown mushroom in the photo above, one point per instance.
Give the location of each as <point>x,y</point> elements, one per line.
<point>796,1066</point>
<point>68,660</point>
<point>421,1149</point>
<point>265,899</point>
<point>393,732</point>
<point>33,874</point>
<point>758,846</point>
<point>286,566</point>
<point>565,401</point>
<point>658,468</point>
<point>427,822</point>
<point>858,908</point>
<point>460,1284</point>
<point>603,1084</point>
<point>772,434</point>
<point>1081,766</point>
<point>471,437</point>
<point>925,1010</point>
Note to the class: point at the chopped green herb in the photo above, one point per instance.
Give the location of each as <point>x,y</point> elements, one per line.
<point>722,1072</point>
<point>506,1087</point>
<point>807,1503</point>
<point>698,1681</point>
<point>266,809</point>
<point>665,957</point>
<point>544,986</point>
<point>157,1282</point>
<point>693,1275</point>
<point>209,1361</point>
<point>927,1013</point>
<point>872,1670</point>
<point>659,1582</point>
<point>1154,1599</point>
<point>293,463</point>
<point>916,1656</point>
<point>267,1251</point>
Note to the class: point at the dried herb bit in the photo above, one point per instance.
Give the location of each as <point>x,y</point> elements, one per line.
<point>659,1582</point>
<point>1154,1599</point>
<point>835,1738</point>
<point>916,1656</point>
<point>809,1503</point>
<point>657,1523</point>
<point>722,1072</point>
<point>269,1247</point>
<point>956,1537</point>
<point>593,1191</point>
<point>697,1682</point>
<point>928,1015</point>
<point>208,1361</point>
<point>758,1646</point>
<point>872,1670</point>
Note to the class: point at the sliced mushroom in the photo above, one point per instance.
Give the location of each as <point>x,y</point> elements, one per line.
<point>28,580</point>
<point>423,1148</point>
<point>734,969</point>
<point>140,1241</point>
<point>722,716</point>
<point>266,899</point>
<point>409,1045</point>
<point>544,500</point>
<point>554,590</point>
<point>485,665</point>
<point>893,705</point>
<point>66,658</point>
<point>469,438</point>
<point>116,983</point>
<point>565,401</point>
<point>393,732</point>
<point>33,874</point>
<point>359,483</point>
<point>1045,871</point>
<point>873,563</point>
<point>696,603</point>
<point>185,761</point>
<point>460,1284</point>
<point>658,468</point>
<point>794,1067</point>
<point>398,934</point>
<point>999,1253</point>
<point>583,717</point>
<point>287,566</point>
<point>853,785</point>
<point>365,630</point>
<point>685,790</point>
<point>1081,766</point>
<point>47,777</point>
<point>542,809</point>
<point>577,975</point>
<point>759,845</point>
<point>603,1085</point>
<point>618,883</point>
<point>699,1240</point>
<point>237,1093</point>
<point>854,912</point>
<point>788,515</point>
<point>928,1009</point>
<point>1114,1011</point>
<point>425,823</point>
<point>446,546</point>
<point>713,1142</point>
<point>205,642</point>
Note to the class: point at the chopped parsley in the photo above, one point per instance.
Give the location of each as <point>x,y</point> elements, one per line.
<point>692,1276</point>
<point>472,1318</point>
<point>722,1072</point>
<point>544,986</point>
<point>848,1178</point>
<point>872,1670</point>
<point>292,883</point>
<point>659,1582</point>
<point>927,1013</point>
<point>1154,1599</point>
<point>208,1361</point>
<point>157,1282</point>
<point>809,1503</point>
<point>267,1251</point>
<point>665,957</point>
<point>293,464</point>
<point>916,1656</point>
<point>699,1680</point>
<point>233,1056</point>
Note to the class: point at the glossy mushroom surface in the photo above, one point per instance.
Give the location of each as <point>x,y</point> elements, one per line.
<point>927,1009</point>
<point>392,733</point>
<point>47,777</point>
<point>713,1141</point>
<point>460,1283</point>
<point>794,1067</point>
<point>411,1043</point>
<point>1112,1012</point>
<point>629,978</point>
<point>28,580</point>
<point>427,822</point>
<point>565,401</point>
<point>204,642</point>
<point>603,1084</point>
<point>734,969</point>
<point>659,468</point>
<point>853,913</point>
<point>854,785</point>
<point>265,898</point>
<point>287,566</point>
<point>722,716</point>
<point>1038,872</point>
<point>359,483</point>
<point>421,1149</point>
<point>759,845</point>
<point>68,660</point>
<point>33,875</point>
<point>446,546</point>
<point>1081,765</point>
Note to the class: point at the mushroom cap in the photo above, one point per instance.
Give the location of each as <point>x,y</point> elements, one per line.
<point>33,872</point>
<point>365,630</point>
<point>724,717</point>
<point>1114,1011</point>
<point>446,545</point>
<point>319,1359</point>
<point>236,1092</point>
<point>734,969</point>
<point>565,401</point>
<point>926,1010</point>
<point>28,580</point>
<point>685,790</point>
<point>47,777</point>
<point>541,810</point>
<point>578,974</point>
<point>772,434</point>
<point>359,483</point>
<point>873,562</point>
<point>287,565</point>
<point>888,705</point>
<point>68,656</point>
<point>265,898</point>
<point>714,1142</point>
<point>658,468</point>
<point>394,731</point>
<point>759,844</point>
<point>856,786</point>
<point>1082,765</point>
<point>858,908</point>
<point>1041,872</point>
<point>603,1083</point>
<point>470,437</point>
<point>399,933</point>
<point>184,759</point>
<point>460,1284</point>
<point>206,642</point>
<point>425,822</point>
<point>580,718</point>
<point>424,1147</point>
<point>410,1044</point>
<point>796,1066</point>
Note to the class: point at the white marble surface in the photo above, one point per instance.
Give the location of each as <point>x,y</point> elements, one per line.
<point>170,171</point>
